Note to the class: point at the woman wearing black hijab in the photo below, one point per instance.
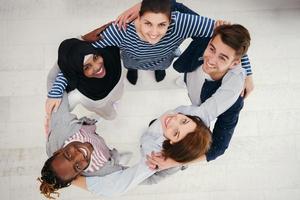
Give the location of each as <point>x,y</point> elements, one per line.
<point>92,77</point>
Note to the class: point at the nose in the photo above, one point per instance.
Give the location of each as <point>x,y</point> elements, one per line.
<point>154,31</point>
<point>212,59</point>
<point>95,67</point>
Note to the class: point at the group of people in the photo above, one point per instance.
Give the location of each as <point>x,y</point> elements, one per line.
<point>217,74</point>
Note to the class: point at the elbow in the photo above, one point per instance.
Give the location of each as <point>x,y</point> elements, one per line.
<point>212,155</point>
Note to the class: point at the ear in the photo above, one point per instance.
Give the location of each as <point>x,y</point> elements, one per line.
<point>235,63</point>
<point>57,152</point>
<point>171,142</point>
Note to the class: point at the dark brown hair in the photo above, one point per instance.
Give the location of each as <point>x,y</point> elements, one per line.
<point>192,146</point>
<point>156,6</point>
<point>50,182</point>
<point>234,35</point>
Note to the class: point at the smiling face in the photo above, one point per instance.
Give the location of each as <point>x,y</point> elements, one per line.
<point>152,27</point>
<point>93,67</point>
<point>177,126</point>
<point>219,58</point>
<point>71,160</point>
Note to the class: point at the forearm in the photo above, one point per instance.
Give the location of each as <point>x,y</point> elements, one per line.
<point>119,182</point>
<point>188,25</point>
<point>58,86</point>
<point>224,129</point>
<point>161,175</point>
<point>112,36</point>
<point>52,76</point>
<point>245,62</point>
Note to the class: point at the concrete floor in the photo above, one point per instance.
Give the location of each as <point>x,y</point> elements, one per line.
<point>263,160</point>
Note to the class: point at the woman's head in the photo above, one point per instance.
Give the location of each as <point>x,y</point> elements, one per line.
<point>187,137</point>
<point>154,19</point>
<point>93,66</point>
<point>79,57</point>
<point>64,166</point>
<point>50,182</point>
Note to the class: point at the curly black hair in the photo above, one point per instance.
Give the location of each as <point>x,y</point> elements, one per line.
<point>50,182</point>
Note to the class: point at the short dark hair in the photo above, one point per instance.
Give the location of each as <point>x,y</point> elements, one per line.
<point>234,35</point>
<point>50,181</point>
<point>192,146</point>
<point>156,6</point>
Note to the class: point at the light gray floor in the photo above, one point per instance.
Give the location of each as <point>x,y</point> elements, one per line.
<point>263,160</point>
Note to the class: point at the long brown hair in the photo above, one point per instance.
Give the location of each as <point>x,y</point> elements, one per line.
<point>192,146</point>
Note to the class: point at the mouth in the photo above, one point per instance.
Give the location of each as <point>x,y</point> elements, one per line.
<point>153,37</point>
<point>100,73</point>
<point>209,66</point>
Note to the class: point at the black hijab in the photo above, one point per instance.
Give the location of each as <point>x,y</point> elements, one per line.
<point>71,54</point>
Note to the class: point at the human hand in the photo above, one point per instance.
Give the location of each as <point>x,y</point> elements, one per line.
<point>221,22</point>
<point>156,161</point>
<point>128,16</point>
<point>52,104</point>
<point>248,86</point>
<point>95,34</point>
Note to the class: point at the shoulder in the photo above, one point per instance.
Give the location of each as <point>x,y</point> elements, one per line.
<point>113,31</point>
<point>112,50</point>
<point>238,70</point>
<point>238,74</point>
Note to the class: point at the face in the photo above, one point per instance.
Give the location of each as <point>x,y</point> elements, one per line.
<point>152,26</point>
<point>177,126</point>
<point>71,160</point>
<point>219,58</point>
<point>94,67</point>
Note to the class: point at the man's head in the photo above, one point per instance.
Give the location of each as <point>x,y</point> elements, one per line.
<point>64,166</point>
<point>225,49</point>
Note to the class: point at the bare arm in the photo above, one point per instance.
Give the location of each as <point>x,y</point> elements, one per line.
<point>128,16</point>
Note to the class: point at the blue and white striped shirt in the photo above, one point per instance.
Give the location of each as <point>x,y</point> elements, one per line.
<point>58,86</point>
<point>138,54</point>
<point>246,65</point>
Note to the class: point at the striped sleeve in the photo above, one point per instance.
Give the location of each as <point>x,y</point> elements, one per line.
<point>194,25</point>
<point>112,36</point>
<point>58,86</point>
<point>246,65</point>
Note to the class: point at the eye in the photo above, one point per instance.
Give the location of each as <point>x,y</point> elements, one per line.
<point>86,67</point>
<point>68,155</point>
<point>147,23</point>
<point>222,58</point>
<point>95,57</point>
<point>161,25</point>
<point>78,168</point>
<point>184,121</point>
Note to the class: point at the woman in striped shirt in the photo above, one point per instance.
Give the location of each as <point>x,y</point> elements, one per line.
<point>133,12</point>
<point>150,41</point>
